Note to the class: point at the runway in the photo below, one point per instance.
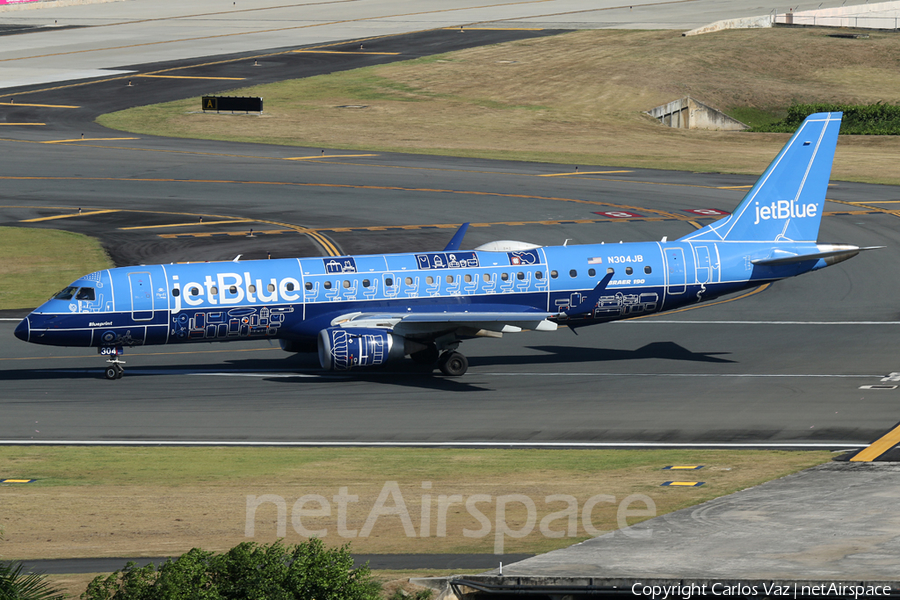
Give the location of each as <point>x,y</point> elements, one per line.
<point>780,367</point>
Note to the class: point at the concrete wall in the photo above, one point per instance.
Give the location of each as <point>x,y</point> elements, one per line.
<point>878,15</point>
<point>745,23</point>
<point>688,113</point>
<point>6,5</point>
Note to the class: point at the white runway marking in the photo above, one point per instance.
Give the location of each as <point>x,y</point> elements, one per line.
<point>725,445</point>
<point>879,376</point>
<point>673,322</point>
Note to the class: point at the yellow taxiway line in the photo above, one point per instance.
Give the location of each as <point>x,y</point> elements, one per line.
<point>190,77</point>
<point>329,156</point>
<point>88,140</point>
<point>343,52</point>
<point>583,173</point>
<point>879,446</point>
<point>82,214</point>
<point>188,224</point>
<point>38,105</point>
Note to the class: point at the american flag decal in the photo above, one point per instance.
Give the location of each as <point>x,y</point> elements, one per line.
<point>595,261</point>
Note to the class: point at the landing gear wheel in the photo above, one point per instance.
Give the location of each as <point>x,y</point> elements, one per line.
<point>453,364</point>
<point>115,370</point>
<point>428,356</point>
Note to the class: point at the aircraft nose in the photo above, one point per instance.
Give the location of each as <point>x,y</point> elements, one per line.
<point>22,330</point>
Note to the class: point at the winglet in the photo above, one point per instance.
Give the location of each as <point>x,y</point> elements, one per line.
<point>457,239</point>
<point>588,304</point>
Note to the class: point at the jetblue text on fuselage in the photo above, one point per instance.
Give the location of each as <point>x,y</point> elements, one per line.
<point>229,289</point>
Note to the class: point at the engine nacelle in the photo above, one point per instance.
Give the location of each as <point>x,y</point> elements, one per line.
<point>347,348</point>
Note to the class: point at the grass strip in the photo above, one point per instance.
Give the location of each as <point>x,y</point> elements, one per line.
<point>36,263</point>
<point>163,501</point>
<point>578,98</point>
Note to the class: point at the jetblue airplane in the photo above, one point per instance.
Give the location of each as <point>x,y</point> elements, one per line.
<point>364,311</point>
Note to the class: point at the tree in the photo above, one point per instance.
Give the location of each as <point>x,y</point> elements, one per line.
<point>246,572</point>
<point>17,585</point>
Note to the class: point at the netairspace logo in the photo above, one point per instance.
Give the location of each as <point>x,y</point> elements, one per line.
<point>391,504</point>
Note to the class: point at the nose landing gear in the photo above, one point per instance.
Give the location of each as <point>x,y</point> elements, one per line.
<point>115,370</point>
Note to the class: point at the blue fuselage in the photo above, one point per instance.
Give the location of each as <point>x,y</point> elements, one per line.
<point>294,299</point>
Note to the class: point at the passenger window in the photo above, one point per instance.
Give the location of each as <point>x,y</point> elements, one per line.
<point>429,280</point>
<point>389,282</point>
<point>85,293</point>
<point>648,270</point>
<point>271,287</point>
<point>486,277</point>
<point>327,285</point>
<point>629,270</point>
<point>213,290</point>
<point>194,291</point>
<point>504,276</point>
<point>554,274</point>
<point>610,270</point>
<point>449,278</point>
<point>308,285</point>
<point>592,272</point>
<point>289,287</point>
<point>468,278</point>
<point>251,288</point>
<point>409,281</point>
<point>66,294</point>
<point>232,289</point>
<point>346,284</point>
<point>538,274</point>
<point>573,273</point>
<point>176,292</point>
<point>366,283</point>
<point>520,276</point>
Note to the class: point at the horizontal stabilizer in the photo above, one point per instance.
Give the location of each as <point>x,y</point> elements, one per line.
<point>832,254</point>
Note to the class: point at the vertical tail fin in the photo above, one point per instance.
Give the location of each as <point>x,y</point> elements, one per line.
<point>787,201</point>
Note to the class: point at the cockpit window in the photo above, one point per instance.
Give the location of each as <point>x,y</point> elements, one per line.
<point>85,293</point>
<point>66,294</point>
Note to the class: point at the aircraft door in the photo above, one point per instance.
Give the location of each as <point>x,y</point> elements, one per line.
<point>675,270</point>
<point>703,266</point>
<point>141,296</point>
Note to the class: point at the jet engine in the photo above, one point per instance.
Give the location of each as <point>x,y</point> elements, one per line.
<point>341,349</point>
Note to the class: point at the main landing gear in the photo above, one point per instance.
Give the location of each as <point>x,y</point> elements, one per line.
<point>450,362</point>
<point>453,363</point>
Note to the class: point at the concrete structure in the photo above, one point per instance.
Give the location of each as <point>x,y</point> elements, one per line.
<point>8,5</point>
<point>879,15</point>
<point>740,23</point>
<point>688,113</point>
<point>837,523</point>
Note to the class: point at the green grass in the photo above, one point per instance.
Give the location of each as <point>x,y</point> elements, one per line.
<point>67,466</point>
<point>36,263</point>
<point>757,118</point>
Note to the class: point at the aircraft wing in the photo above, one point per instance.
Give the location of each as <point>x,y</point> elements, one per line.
<point>425,323</point>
